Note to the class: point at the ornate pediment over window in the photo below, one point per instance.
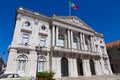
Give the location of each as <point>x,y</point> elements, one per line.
<point>74,21</point>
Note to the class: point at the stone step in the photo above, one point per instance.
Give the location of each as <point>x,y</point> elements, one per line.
<point>112,77</point>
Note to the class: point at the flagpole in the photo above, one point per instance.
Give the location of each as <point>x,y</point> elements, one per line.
<point>69,9</point>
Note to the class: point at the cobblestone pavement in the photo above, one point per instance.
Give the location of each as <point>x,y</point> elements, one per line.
<point>112,77</point>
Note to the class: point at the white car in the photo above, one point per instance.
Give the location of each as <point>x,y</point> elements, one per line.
<point>12,76</point>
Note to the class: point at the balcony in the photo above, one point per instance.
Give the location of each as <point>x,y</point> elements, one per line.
<point>62,49</point>
<point>69,50</point>
<point>26,29</point>
<point>21,46</point>
<point>104,55</point>
<point>42,49</point>
<point>43,32</point>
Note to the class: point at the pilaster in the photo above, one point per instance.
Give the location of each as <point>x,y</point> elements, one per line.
<point>81,41</point>
<point>68,37</point>
<point>71,39</point>
<point>109,67</point>
<point>53,35</point>
<point>56,35</point>
<point>84,46</point>
<point>85,68</point>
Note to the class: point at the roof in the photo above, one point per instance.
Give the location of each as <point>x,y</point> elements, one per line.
<point>114,43</point>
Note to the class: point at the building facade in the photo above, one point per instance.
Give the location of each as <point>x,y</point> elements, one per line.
<point>113,50</point>
<point>2,65</point>
<point>62,44</point>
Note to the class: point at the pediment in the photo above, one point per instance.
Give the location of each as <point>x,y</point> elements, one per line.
<point>73,20</point>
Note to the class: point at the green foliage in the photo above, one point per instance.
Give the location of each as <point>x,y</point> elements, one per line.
<point>48,75</point>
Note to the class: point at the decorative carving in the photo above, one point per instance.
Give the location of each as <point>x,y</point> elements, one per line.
<point>18,18</point>
<point>36,23</point>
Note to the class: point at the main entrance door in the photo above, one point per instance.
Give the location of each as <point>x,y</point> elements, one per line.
<point>64,67</point>
<point>92,67</point>
<point>79,67</point>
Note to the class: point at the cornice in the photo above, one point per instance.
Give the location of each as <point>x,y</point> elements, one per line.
<point>80,24</point>
<point>34,15</point>
<point>68,23</point>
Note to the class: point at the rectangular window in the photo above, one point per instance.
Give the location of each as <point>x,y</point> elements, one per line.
<point>25,39</point>
<point>97,48</point>
<point>40,66</point>
<point>105,64</point>
<point>42,42</point>
<point>74,46</point>
<point>102,51</point>
<point>61,40</point>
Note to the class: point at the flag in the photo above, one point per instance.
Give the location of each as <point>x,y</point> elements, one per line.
<point>71,4</point>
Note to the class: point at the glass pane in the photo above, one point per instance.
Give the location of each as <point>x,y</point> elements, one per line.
<point>60,42</point>
<point>42,42</point>
<point>40,66</point>
<point>25,39</point>
<point>74,45</point>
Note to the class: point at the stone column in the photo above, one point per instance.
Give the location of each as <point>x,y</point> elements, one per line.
<point>88,67</point>
<point>102,66</point>
<point>53,35</point>
<point>71,39</point>
<point>70,66</point>
<point>74,72</point>
<point>93,44</point>
<point>99,68</point>
<point>78,43</point>
<point>96,67</point>
<point>65,40</point>
<point>109,67</point>
<point>84,46</point>
<point>56,35</point>
<point>57,67</point>
<point>81,41</point>
<point>68,37</point>
<point>91,39</point>
<point>84,67</point>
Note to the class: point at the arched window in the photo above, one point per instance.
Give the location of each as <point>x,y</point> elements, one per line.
<point>41,64</point>
<point>92,67</point>
<point>61,39</point>
<point>22,63</point>
<point>80,67</point>
<point>64,67</point>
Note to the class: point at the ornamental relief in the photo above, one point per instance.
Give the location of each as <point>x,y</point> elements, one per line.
<point>75,21</point>
<point>72,20</point>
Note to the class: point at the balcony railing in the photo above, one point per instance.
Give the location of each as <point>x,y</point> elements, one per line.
<point>26,29</point>
<point>70,50</point>
<point>39,48</point>
<point>104,55</point>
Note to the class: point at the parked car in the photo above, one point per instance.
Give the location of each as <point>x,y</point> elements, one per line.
<point>13,76</point>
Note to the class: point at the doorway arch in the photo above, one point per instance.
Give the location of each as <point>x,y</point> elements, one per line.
<point>80,67</point>
<point>92,67</point>
<point>64,67</point>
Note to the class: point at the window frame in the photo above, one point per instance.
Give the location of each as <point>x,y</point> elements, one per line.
<point>22,60</point>
<point>41,64</point>
<point>25,38</point>
<point>42,41</point>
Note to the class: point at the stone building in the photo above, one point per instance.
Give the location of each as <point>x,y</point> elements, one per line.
<point>113,50</point>
<point>2,65</point>
<point>62,44</point>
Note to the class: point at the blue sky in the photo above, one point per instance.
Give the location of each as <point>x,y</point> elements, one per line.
<point>102,15</point>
